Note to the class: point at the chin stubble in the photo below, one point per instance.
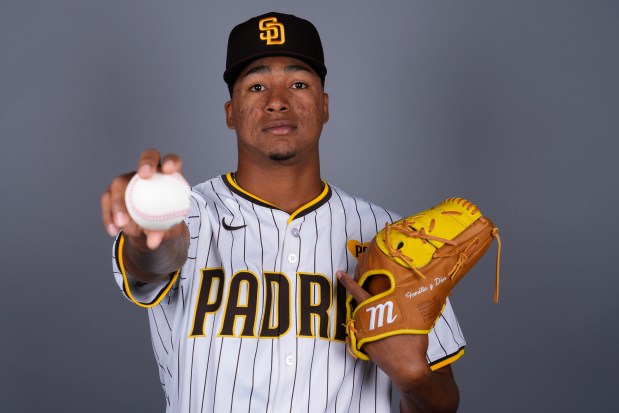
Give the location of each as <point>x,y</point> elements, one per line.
<point>280,157</point>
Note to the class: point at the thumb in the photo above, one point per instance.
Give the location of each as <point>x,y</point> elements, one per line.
<point>353,288</point>
<point>154,239</point>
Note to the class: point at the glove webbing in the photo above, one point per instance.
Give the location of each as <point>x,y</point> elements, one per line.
<point>408,230</point>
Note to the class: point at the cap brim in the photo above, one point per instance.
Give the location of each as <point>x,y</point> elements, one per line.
<point>235,70</point>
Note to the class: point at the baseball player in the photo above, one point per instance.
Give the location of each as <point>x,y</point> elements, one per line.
<point>246,298</point>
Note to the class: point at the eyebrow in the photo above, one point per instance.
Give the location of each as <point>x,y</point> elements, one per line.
<point>267,69</point>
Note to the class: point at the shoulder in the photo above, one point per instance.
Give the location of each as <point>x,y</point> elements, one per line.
<point>361,206</point>
<point>210,188</point>
<point>208,196</point>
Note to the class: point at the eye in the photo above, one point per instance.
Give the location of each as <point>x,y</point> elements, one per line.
<point>256,88</point>
<point>299,85</point>
<point>400,245</point>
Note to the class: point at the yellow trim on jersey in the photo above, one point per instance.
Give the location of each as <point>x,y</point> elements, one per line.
<point>447,361</point>
<point>232,182</point>
<point>325,191</point>
<point>123,271</point>
<point>319,198</point>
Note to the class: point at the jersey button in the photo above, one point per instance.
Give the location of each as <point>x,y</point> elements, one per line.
<point>292,258</point>
<point>295,232</point>
<point>290,360</point>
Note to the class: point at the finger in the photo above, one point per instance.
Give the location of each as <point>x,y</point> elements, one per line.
<point>148,163</point>
<point>353,288</point>
<point>118,210</point>
<point>106,214</point>
<point>172,163</point>
<point>154,239</point>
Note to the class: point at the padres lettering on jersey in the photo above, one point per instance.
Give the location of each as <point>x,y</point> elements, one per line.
<point>254,319</point>
<point>315,300</point>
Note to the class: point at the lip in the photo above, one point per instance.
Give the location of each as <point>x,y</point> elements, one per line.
<point>279,127</point>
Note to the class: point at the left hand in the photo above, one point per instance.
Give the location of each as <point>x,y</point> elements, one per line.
<point>401,357</point>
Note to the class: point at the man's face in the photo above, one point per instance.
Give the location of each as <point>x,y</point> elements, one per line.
<point>278,108</point>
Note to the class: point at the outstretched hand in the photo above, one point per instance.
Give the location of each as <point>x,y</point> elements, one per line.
<point>114,211</point>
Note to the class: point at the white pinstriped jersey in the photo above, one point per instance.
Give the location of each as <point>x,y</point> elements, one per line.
<point>253,320</point>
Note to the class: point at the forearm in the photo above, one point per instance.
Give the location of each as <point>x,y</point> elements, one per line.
<point>403,359</point>
<point>437,393</point>
<point>147,265</point>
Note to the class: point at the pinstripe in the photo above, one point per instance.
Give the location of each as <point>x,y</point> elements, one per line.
<point>459,330</point>
<point>363,376</point>
<point>193,351</point>
<point>439,341</point>
<point>168,324</point>
<point>375,388</point>
<point>375,368</point>
<point>277,254</point>
<point>182,296</point>
<point>357,361</point>
<point>178,372</point>
<point>241,340</point>
<point>236,371</point>
<point>309,389</point>
<point>374,215</point>
<point>345,223</point>
<point>347,269</point>
<point>192,238</point>
<point>453,336</point>
<point>296,327</point>
<point>360,223</point>
<point>206,260</point>
<point>332,271</point>
<point>263,300</point>
<point>207,369</point>
<point>221,343</point>
<point>242,371</point>
<point>159,332</point>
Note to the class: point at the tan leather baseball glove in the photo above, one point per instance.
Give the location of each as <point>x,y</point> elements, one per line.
<point>412,266</point>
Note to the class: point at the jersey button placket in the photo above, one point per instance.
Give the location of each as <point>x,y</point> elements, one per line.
<point>292,257</point>
<point>287,344</point>
<point>290,360</point>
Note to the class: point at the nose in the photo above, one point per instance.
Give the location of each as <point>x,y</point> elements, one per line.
<point>277,100</point>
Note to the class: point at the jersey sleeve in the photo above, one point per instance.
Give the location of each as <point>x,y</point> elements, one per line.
<point>445,342</point>
<point>151,294</point>
<point>143,294</point>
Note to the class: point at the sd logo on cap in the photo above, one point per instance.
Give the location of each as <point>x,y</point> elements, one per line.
<point>272,31</point>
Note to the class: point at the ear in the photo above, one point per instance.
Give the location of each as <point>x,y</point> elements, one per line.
<point>229,117</point>
<point>326,108</point>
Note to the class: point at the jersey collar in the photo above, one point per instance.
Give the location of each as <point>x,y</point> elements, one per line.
<point>313,205</point>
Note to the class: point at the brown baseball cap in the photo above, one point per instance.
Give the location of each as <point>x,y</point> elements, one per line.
<point>273,34</point>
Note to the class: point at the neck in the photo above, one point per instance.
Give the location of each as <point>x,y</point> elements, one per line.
<point>288,188</point>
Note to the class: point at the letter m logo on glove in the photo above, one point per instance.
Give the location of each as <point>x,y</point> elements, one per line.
<point>377,315</point>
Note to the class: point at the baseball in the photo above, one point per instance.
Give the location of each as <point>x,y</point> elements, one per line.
<point>158,203</point>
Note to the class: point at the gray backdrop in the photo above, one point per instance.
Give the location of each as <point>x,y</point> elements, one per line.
<point>512,104</point>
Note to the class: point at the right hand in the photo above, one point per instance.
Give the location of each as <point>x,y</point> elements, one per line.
<point>113,208</point>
